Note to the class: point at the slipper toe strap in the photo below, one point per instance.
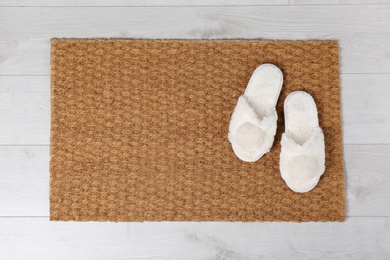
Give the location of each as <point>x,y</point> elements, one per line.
<point>248,131</point>
<point>303,162</point>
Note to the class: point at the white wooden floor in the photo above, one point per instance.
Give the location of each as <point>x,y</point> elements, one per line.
<point>363,28</point>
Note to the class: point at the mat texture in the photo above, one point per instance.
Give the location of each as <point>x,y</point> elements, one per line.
<point>139,131</point>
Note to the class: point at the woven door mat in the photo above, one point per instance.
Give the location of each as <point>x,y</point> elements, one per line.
<point>139,131</point>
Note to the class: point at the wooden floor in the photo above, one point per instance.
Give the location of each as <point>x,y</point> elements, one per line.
<point>363,28</point>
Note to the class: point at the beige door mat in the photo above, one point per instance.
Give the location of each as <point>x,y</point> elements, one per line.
<point>139,131</point>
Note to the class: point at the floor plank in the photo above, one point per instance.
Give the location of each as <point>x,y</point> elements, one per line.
<point>366,108</point>
<point>24,181</point>
<point>154,3</point>
<point>24,46</point>
<point>335,2</point>
<point>37,238</point>
<point>25,109</point>
<point>24,186</point>
<point>367,180</point>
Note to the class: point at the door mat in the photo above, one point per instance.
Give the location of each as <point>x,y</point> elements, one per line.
<point>139,131</point>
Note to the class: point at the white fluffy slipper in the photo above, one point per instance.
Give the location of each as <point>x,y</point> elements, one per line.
<point>302,158</point>
<point>253,123</point>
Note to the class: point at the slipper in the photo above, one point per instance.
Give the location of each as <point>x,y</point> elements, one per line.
<point>253,123</point>
<point>302,157</point>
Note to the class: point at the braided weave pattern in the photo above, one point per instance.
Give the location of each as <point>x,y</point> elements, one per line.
<point>139,131</point>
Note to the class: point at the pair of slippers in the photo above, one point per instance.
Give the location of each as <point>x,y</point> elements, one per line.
<point>253,126</point>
